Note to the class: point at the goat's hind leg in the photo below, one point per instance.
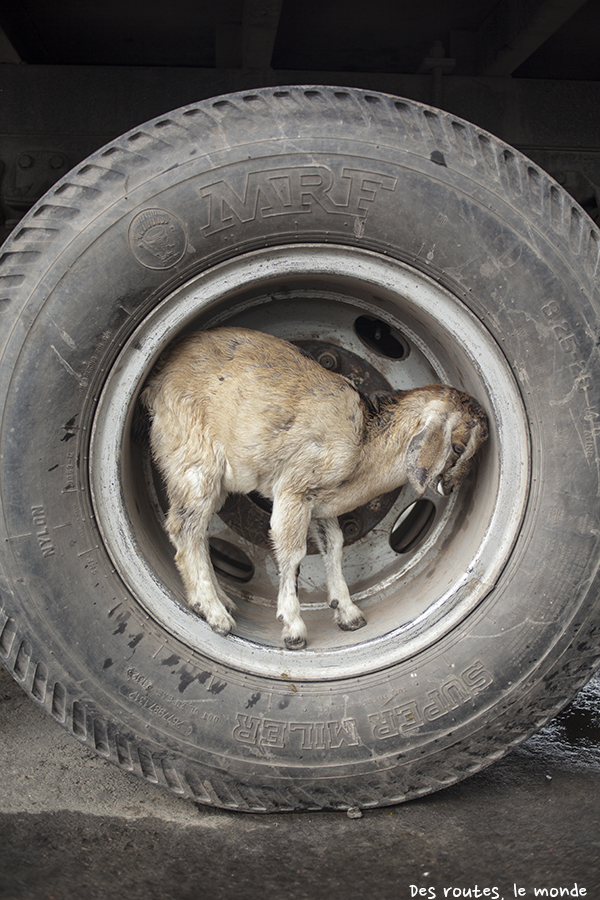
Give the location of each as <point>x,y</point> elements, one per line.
<point>187,527</point>
<point>328,537</point>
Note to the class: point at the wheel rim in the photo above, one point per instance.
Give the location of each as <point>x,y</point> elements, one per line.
<point>424,566</point>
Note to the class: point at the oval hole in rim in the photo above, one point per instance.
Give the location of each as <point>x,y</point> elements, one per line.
<point>412,526</point>
<point>381,337</point>
<point>230,561</point>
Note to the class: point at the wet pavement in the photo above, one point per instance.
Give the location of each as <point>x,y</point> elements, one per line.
<point>73,826</point>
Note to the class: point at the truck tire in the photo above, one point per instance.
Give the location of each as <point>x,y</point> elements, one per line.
<point>399,245</point>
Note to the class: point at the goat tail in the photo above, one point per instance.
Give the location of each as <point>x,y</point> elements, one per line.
<point>154,384</point>
<point>145,407</point>
<point>149,394</point>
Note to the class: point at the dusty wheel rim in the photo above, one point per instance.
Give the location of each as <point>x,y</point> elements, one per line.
<point>410,599</point>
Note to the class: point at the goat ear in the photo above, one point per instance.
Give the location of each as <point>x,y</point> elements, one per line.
<point>377,399</point>
<point>428,449</point>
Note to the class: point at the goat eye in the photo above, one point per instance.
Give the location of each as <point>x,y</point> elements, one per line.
<point>459,449</point>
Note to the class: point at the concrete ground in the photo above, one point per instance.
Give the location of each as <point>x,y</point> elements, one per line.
<point>73,827</point>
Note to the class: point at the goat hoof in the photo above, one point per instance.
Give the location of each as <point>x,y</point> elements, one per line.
<point>221,624</point>
<point>298,643</point>
<point>353,624</point>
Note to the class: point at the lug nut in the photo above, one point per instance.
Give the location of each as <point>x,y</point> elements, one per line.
<point>351,528</point>
<point>329,359</point>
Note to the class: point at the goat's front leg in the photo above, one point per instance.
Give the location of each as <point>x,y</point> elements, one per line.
<point>328,537</point>
<point>187,526</point>
<point>289,527</point>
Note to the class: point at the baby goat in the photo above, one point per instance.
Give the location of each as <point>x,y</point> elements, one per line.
<point>235,410</point>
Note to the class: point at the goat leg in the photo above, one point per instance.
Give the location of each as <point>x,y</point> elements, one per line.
<point>187,528</point>
<point>289,527</point>
<point>328,537</point>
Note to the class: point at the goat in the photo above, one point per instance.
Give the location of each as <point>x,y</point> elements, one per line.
<point>236,410</point>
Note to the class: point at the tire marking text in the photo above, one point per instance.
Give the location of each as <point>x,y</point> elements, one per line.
<point>292,191</point>
<point>412,714</point>
<point>262,732</point>
<point>44,540</point>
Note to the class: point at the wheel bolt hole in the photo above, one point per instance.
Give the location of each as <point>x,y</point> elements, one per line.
<point>230,561</point>
<point>381,337</point>
<point>412,526</point>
